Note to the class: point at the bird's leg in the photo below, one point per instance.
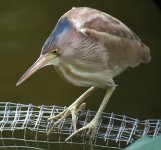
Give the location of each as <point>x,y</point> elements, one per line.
<point>72,109</point>
<point>92,126</point>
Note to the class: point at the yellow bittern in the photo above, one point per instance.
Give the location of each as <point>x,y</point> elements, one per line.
<point>89,48</point>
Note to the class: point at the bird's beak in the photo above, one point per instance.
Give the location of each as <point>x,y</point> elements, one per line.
<point>42,61</point>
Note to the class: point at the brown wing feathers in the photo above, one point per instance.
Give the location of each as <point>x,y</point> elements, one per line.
<point>124,46</point>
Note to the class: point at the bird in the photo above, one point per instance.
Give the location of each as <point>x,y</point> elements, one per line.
<point>89,48</point>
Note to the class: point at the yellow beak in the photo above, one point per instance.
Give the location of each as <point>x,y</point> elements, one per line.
<point>40,63</point>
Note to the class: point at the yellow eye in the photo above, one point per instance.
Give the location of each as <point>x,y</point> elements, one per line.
<point>54,51</point>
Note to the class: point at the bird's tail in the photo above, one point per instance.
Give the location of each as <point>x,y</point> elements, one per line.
<point>145,53</point>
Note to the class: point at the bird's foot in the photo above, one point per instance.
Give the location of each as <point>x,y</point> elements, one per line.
<point>73,109</point>
<point>91,127</point>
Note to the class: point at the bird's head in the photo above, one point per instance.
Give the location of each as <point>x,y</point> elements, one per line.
<point>52,48</point>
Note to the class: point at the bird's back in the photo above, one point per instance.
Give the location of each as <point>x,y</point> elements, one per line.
<point>124,47</point>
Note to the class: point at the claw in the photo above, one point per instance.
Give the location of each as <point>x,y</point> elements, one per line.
<point>73,110</point>
<point>56,116</point>
<point>63,115</point>
<point>91,130</point>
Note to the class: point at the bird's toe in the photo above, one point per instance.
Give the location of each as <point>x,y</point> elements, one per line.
<point>73,109</point>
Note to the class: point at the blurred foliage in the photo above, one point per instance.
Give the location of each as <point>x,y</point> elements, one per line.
<point>146,143</point>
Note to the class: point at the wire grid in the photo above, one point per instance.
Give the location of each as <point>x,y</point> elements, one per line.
<point>26,126</point>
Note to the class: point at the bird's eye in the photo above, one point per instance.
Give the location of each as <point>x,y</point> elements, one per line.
<point>54,51</point>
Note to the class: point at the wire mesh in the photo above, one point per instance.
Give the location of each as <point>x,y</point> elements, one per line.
<point>26,126</point>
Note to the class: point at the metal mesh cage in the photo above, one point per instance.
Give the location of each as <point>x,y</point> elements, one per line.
<point>26,126</point>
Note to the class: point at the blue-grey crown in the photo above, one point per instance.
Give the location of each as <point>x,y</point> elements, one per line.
<point>62,25</point>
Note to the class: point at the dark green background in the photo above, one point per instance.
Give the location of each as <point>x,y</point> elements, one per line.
<point>25,25</point>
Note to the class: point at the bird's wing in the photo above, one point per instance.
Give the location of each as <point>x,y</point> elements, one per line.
<point>124,47</point>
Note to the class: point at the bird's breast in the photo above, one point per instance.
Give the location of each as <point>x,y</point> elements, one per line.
<point>83,74</point>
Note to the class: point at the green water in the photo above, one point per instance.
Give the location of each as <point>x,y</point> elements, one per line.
<point>25,25</point>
